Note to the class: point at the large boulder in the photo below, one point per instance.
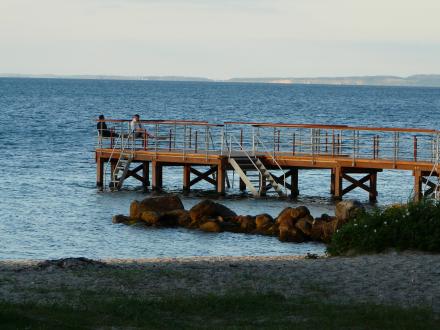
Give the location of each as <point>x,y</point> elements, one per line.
<point>161,204</point>
<point>246,222</point>
<point>305,225</point>
<point>293,214</point>
<point>211,227</point>
<point>135,210</point>
<point>176,217</point>
<point>150,217</point>
<point>265,224</point>
<point>347,210</point>
<point>208,209</point>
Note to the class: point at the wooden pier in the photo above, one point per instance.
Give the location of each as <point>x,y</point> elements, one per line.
<point>266,156</point>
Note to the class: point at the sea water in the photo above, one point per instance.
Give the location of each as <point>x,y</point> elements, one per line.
<point>50,207</point>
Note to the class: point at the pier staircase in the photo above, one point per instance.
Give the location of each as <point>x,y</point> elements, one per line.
<point>253,173</point>
<point>124,146</point>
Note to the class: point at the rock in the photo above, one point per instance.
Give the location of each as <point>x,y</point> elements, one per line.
<point>316,230</point>
<point>211,227</point>
<point>161,204</point>
<point>329,228</point>
<point>326,217</point>
<point>293,213</point>
<point>206,209</point>
<point>347,210</point>
<point>230,226</point>
<point>150,217</point>
<point>291,234</point>
<point>246,222</point>
<point>135,210</point>
<point>299,212</point>
<point>120,218</point>
<point>176,217</point>
<point>263,222</point>
<point>305,225</point>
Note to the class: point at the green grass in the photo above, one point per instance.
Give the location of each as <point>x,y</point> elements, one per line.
<point>414,226</point>
<point>229,311</point>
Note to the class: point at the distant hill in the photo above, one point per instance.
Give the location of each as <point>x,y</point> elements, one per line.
<point>415,80</point>
<point>421,80</point>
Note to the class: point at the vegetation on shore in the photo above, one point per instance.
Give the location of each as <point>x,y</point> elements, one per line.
<point>235,311</point>
<point>414,226</point>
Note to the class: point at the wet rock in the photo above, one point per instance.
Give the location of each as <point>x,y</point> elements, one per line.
<point>263,222</point>
<point>206,209</point>
<point>305,225</point>
<point>161,204</point>
<point>246,222</point>
<point>176,217</point>
<point>299,212</point>
<point>149,217</point>
<point>120,218</point>
<point>291,234</point>
<point>230,226</point>
<point>316,230</point>
<point>211,227</point>
<point>347,210</point>
<point>135,210</point>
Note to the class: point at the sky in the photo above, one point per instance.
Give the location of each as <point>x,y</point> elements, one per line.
<point>220,39</point>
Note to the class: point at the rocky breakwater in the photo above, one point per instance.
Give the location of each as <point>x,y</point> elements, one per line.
<point>291,225</point>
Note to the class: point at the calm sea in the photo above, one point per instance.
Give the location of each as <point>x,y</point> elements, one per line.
<point>49,206</point>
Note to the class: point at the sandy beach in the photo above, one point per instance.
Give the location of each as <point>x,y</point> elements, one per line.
<point>400,279</point>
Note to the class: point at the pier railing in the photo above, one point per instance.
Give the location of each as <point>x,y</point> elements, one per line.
<point>302,140</point>
<point>281,140</point>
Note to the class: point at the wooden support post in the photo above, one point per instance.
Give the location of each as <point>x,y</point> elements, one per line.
<point>146,175</point>
<point>99,173</point>
<point>156,176</point>
<point>418,185</point>
<point>332,182</point>
<point>337,182</point>
<point>294,187</point>
<point>373,187</point>
<point>221,169</point>
<point>186,177</point>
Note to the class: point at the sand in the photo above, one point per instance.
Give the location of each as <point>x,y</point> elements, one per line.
<point>404,279</point>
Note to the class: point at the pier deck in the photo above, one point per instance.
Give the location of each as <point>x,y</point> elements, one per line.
<point>266,155</point>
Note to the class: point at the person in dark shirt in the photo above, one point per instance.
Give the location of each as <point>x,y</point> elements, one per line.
<point>102,127</point>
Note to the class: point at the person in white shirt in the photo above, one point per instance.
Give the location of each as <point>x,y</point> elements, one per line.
<point>137,129</point>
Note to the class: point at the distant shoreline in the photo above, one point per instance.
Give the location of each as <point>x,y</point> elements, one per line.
<point>428,81</point>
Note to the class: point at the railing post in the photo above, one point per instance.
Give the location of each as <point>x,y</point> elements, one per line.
<point>156,134</point>
<point>112,137</point>
<point>145,139</point>
<point>293,144</point>
<point>206,141</point>
<point>190,138</point>
<point>196,142</point>
<point>354,147</point>
<point>278,144</point>
<point>415,148</point>
<point>184,141</point>
<point>170,142</point>
<point>222,140</point>
<point>253,141</point>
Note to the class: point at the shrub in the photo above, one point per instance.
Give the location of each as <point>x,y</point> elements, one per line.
<point>413,226</point>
